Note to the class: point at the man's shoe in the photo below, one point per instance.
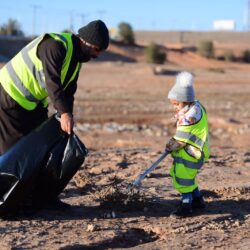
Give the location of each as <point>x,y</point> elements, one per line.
<point>184,210</point>
<point>198,203</point>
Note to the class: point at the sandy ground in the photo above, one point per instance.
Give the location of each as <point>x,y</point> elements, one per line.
<point>123,117</point>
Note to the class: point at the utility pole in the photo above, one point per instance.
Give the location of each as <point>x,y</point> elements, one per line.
<point>82,16</point>
<point>71,21</point>
<point>35,7</point>
<point>248,15</point>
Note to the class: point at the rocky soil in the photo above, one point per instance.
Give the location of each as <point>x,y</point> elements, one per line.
<point>123,117</point>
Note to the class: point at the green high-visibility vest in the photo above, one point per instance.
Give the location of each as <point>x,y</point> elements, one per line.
<point>23,77</point>
<point>185,166</point>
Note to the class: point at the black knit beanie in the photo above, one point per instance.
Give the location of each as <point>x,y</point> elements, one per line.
<point>95,33</point>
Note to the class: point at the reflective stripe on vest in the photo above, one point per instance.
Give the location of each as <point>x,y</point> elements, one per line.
<point>19,83</point>
<point>23,77</point>
<point>182,181</point>
<point>69,49</point>
<point>39,74</point>
<point>189,164</point>
<point>195,134</point>
<point>191,137</point>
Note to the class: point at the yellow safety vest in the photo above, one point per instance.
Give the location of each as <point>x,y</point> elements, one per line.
<point>23,77</point>
<point>185,167</point>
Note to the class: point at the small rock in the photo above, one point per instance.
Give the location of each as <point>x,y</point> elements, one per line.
<point>237,223</point>
<point>91,228</point>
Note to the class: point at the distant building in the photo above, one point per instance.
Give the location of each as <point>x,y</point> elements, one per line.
<point>224,25</point>
<point>114,34</point>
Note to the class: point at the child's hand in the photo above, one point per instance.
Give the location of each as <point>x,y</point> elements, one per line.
<point>170,144</point>
<point>174,145</point>
<point>168,148</point>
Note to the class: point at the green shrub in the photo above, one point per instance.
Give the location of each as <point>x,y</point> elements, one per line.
<point>229,55</point>
<point>11,28</point>
<point>155,54</point>
<point>126,33</point>
<point>246,56</point>
<point>206,49</point>
<point>216,70</point>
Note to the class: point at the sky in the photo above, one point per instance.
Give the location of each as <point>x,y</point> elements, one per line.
<point>36,17</point>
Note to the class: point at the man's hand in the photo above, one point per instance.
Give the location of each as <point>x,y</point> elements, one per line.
<point>67,122</point>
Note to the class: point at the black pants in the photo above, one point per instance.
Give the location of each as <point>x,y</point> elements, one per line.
<point>15,121</point>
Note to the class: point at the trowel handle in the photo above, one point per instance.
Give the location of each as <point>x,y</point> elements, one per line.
<point>150,169</point>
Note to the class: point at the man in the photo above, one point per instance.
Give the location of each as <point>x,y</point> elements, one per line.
<point>46,67</point>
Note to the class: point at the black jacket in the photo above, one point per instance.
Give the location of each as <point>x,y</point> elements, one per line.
<point>52,54</point>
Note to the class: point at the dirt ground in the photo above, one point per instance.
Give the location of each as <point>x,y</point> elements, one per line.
<point>124,119</point>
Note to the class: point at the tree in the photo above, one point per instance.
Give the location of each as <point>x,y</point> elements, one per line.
<point>229,55</point>
<point>246,56</point>
<point>154,54</point>
<point>11,28</point>
<point>126,33</point>
<point>206,49</point>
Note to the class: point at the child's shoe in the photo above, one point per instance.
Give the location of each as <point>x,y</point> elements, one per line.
<point>197,200</point>
<point>184,210</point>
<point>198,203</point>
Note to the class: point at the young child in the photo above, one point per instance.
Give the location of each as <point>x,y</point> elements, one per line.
<point>189,146</point>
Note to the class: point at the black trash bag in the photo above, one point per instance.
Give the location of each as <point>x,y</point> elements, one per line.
<point>64,160</point>
<point>25,163</point>
<point>21,164</point>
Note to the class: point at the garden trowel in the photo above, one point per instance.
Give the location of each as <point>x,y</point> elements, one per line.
<point>137,182</point>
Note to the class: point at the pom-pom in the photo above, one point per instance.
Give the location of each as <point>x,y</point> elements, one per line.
<point>184,79</point>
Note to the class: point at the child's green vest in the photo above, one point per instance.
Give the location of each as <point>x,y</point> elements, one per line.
<point>185,166</point>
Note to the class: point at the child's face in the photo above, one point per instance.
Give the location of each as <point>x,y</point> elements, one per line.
<point>177,105</point>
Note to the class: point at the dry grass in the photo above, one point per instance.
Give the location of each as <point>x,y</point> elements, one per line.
<point>121,196</point>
